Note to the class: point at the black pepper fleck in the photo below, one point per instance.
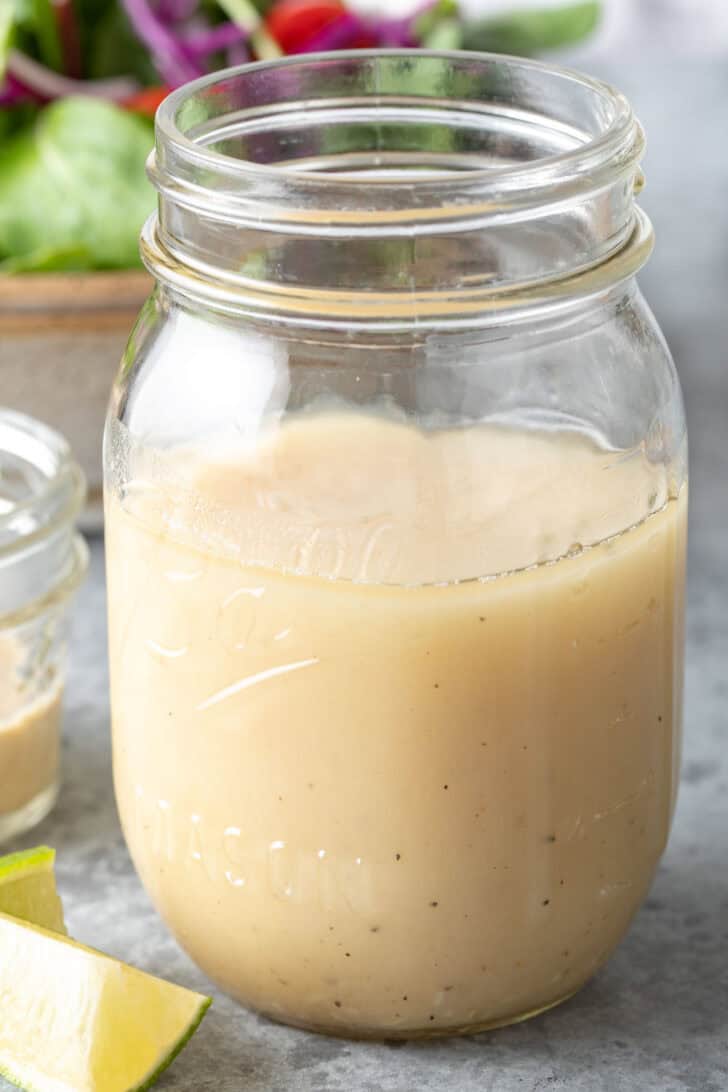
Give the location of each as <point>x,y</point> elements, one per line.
<point>447,988</point>
<point>397,856</point>
<point>546,902</point>
<point>338,1004</point>
<point>432,1018</point>
<point>444,786</point>
<point>404,997</point>
<point>348,955</point>
<point>374,929</point>
<point>434,904</point>
<point>550,837</point>
<point>437,686</point>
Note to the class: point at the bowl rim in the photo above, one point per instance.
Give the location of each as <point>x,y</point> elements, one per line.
<point>121,290</point>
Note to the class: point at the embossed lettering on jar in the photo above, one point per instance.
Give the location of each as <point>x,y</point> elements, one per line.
<point>396,507</point>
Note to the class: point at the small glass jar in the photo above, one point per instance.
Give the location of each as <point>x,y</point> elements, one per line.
<point>396,508</point>
<point>42,561</point>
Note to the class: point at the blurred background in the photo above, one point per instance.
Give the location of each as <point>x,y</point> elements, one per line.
<point>80,81</point>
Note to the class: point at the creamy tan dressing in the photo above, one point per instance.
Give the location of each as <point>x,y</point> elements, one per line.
<point>369,790</point>
<point>29,733</point>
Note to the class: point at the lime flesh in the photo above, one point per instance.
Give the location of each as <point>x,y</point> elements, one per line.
<point>28,888</point>
<point>74,1020</point>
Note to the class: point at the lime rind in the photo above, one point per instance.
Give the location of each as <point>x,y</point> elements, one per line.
<point>28,888</point>
<point>33,1079</point>
<point>13,1079</point>
<point>177,1048</point>
<point>13,865</point>
<point>28,896</point>
<point>152,1079</point>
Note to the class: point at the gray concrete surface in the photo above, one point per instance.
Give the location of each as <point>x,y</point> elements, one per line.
<point>656,1019</point>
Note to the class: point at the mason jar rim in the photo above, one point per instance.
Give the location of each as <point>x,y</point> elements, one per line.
<point>41,555</point>
<point>621,134</point>
<point>64,481</point>
<point>414,151</point>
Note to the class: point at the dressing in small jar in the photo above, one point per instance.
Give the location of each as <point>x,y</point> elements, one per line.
<point>42,561</point>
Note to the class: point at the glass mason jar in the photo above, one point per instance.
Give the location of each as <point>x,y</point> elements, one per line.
<point>396,508</point>
<point>42,561</point>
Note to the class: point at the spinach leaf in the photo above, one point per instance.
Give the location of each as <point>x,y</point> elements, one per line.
<point>60,259</point>
<point>73,186</point>
<point>14,118</point>
<point>529,32</point>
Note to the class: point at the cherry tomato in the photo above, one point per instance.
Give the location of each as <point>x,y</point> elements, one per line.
<point>294,22</point>
<point>147,100</point>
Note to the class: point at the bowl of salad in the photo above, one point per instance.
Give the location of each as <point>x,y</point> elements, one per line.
<point>80,81</point>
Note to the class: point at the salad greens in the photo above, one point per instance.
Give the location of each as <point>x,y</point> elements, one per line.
<point>73,192</point>
<point>114,50</point>
<point>80,81</point>
<point>527,33</point>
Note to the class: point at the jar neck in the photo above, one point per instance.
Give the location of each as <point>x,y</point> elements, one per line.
<point>42,490</point>
<point>391,188</point>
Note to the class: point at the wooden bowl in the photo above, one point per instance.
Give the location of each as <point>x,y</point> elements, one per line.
<point>61,340</point>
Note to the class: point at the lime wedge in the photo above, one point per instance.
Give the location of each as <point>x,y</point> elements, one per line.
<point>28,888</point>
<point>73,1020</point>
